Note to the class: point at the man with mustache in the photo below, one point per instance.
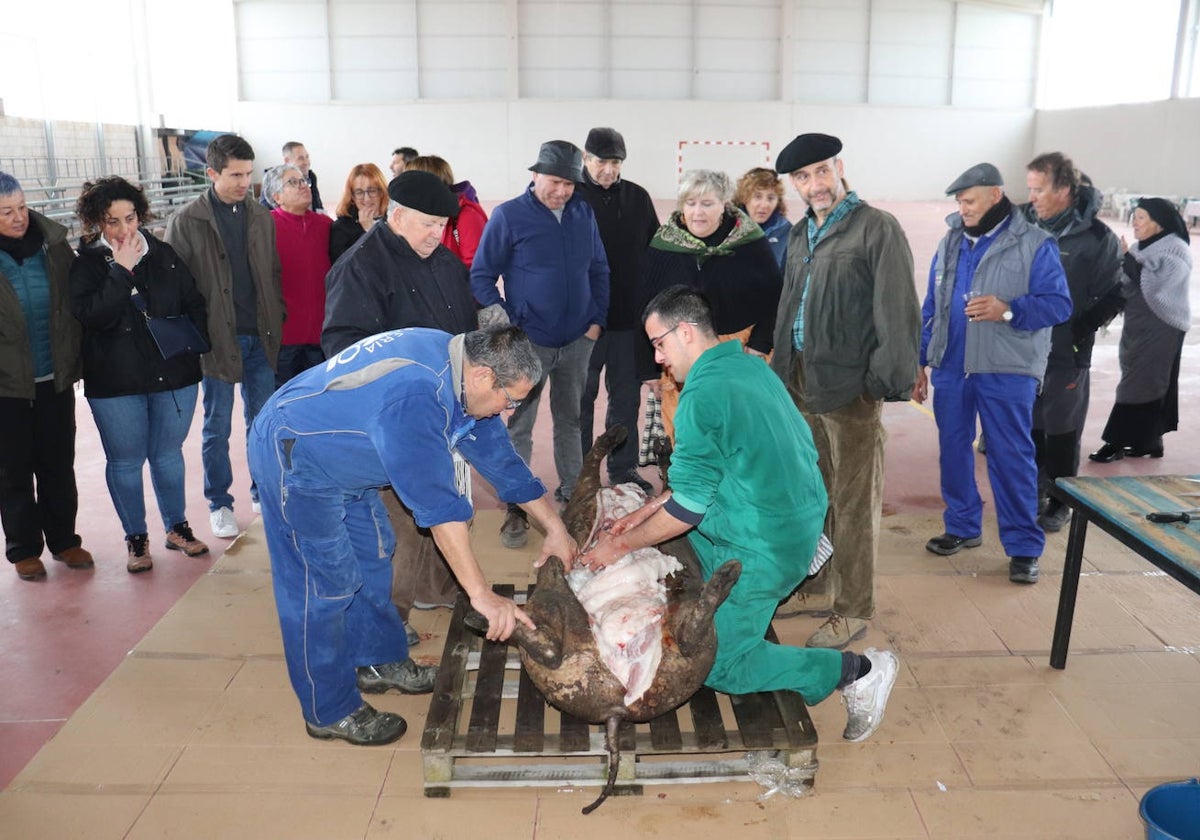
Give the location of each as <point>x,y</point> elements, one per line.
<point>846,340</point>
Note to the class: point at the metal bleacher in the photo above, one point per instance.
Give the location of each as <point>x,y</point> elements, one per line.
<point>52,185</point>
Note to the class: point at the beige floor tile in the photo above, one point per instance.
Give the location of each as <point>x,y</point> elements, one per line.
<point>132,715</point>
<point>267,673</point>
<point>908,620</point>
<point>1158,758</point>
<point>254,718</point>
<point>846,815</point>
<point>972,670</point>
<point>183,673</point>
<point>457,817</point>
<point>1099,668</point>
<point>1172,666</point>
<point>1132,710</point>
<point>1012,762</point>
<point>1001,712</point>
<point>67,765</point>
<point>885,763</point>
<point>304,771</point>
<point>222,615</point>
<point>248,553</point>
<point>1086,814</point>
<point>66,816</point>
<point>909,718</point>
<point>253,815</point>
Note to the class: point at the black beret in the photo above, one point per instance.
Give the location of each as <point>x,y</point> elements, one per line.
<point>805,150</point>
<point>979,175</point>
<point>606,143</point>
<point>424,192</point>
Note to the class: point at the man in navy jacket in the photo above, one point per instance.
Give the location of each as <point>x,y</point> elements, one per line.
<point>546,246</point>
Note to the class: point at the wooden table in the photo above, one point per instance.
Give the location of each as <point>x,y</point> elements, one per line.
<point>1119,506</point>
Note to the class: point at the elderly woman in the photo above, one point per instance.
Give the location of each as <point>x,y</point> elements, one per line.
<point>1157,270</point>
<point>302,240</point>
<point>709,244</point>
<point>463,232</point>
<point>142,403</point>
<point>364,202</point>
<point>39,363</point>
<point>760,194</point>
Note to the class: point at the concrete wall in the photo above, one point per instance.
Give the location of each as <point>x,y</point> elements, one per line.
<point>890,152</point>
<point>1147,148</point>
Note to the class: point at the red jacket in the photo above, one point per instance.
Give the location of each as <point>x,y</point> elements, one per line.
<point>462,233</point>
<point>303,245</point>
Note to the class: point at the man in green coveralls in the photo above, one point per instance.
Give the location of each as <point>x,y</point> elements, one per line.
<point>745,485</point>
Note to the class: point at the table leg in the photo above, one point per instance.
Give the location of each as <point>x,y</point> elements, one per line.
<point>1070,588</point>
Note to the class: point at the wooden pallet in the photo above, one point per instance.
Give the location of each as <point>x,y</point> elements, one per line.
<point>513,738</point>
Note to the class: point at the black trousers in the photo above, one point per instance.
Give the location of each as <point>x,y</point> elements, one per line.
<point>37,442</point>
<point>613,352</point>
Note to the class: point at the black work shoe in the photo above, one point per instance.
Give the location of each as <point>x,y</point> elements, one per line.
<point>948,544</point>
<point>366,726</point>
<point>1023,570</point>
<point>514,533</point>
<point>1054,517</point>
<point>1107,453</point>
<point>407,677</point>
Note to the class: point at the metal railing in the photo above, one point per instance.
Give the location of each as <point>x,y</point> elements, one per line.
<point>52,185</point>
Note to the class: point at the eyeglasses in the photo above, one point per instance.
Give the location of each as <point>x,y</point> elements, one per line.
<point>369,192</point>
<point>656,342</point>
<point>513,405</point>
<point>296,183</point>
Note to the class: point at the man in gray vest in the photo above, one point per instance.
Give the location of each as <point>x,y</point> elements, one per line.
<point>996,287</point>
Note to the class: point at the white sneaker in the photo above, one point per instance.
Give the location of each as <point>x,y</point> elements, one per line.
<point>223,523</point>
<point>256,506</point>
<point>866,698</point>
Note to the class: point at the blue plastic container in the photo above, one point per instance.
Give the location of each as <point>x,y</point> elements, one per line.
<point>1172,811</point>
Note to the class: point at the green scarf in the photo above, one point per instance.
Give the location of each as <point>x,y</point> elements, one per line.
<point>674,237</point>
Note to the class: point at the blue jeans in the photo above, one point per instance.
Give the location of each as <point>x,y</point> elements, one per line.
<point>332,574</point>
<point>566,369</point>
<point>258,383</point>
<point>145,427</point>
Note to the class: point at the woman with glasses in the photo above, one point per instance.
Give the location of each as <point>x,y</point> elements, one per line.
<point>302,240</point>
<point>142,403</point>
<point>364,202</point>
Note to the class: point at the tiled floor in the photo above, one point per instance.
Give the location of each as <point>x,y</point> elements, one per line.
<point>196,733</point>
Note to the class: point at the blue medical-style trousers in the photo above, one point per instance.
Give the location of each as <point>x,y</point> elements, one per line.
<point>1004,405</point>
<point>331,563</point>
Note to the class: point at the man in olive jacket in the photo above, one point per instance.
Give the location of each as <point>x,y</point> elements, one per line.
<point>847,339</point>
<point>39,365</point>
<point>228,241</point>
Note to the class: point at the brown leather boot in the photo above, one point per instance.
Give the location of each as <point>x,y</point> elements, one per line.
<point>76,558</point>
<point>30,568</point>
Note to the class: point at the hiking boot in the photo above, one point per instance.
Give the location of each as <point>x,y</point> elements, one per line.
<point>947,544</point>
<point>866,697</point>
<point>138,547</point>
<point>223,523</point>
<point>76,558</point>
<point>1023,570</point>
<point>837,632</point>
<point>181,538</point>
<point>407,677</point>
<point>817,605</point>
<point>1054,517</point>
<point>514,533</point>
<point>30,568</point>
<point>366,726</point>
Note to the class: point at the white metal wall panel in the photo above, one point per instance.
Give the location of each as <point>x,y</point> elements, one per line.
<point>995,59</point>
<point>373,50</point>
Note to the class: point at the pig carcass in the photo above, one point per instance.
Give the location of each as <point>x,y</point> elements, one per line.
<point>630,642</point>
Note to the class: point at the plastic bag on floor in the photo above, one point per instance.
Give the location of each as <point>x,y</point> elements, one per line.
<point>771,773</point>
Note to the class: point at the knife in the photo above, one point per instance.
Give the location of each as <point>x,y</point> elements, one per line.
<point>1183,516</point>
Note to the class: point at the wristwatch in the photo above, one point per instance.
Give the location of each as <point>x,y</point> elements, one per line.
<point>1007,316</point>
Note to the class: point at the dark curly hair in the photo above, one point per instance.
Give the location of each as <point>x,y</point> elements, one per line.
<point>97,196</point>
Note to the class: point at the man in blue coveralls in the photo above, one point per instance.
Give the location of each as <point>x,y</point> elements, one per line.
<point>413,409</point>
<point>996,288</point>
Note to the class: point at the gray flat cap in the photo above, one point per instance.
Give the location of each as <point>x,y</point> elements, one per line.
<point>979,175</point>
<point>605,143</point>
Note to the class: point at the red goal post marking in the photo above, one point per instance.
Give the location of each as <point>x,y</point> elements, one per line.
<point>765,144</point>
